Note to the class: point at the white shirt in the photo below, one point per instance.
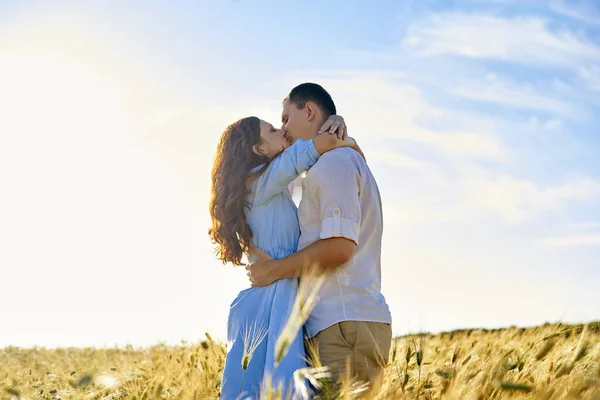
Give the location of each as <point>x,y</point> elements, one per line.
<point>340,198</point>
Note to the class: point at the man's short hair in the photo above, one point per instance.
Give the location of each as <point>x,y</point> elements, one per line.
<point>312,92</point>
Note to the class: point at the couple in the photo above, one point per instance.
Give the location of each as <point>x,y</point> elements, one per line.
<point>337,228</point>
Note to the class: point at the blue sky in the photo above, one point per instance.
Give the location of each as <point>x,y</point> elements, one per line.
<point>479,120</point>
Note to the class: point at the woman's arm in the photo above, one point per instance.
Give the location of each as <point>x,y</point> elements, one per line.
<point>283,169</point>
<point>297,158</point>
<point>335,125</point>
<point>326,142</point>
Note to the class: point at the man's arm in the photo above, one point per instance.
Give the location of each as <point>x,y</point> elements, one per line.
<point>324,255</point>
<point>336,187</point>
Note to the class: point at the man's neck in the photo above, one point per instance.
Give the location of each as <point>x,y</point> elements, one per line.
<point>313,132</point>
<point>309,135</point>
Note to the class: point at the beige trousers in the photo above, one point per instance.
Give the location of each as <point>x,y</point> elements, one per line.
<point>357,350</point>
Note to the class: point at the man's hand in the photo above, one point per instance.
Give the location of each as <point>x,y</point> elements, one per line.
<point>260,272</point>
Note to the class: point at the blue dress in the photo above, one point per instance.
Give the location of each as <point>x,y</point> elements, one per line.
<point>258,314</point>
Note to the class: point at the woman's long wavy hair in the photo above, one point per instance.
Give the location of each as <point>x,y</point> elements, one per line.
<point>231,177</point>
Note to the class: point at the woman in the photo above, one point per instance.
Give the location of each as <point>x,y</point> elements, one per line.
<point>251,206</point>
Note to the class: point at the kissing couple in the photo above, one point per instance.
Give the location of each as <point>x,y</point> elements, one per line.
<point>329,247</point>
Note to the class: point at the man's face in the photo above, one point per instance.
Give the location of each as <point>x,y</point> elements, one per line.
<point>295,122</point>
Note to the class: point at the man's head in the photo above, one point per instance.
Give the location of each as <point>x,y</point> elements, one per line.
<point>305,110</point>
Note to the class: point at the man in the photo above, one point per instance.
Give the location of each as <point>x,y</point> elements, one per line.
<point>341,225</point>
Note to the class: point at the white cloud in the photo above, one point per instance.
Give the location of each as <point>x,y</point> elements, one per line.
<point>584,11</point>
<point>522,40</point>
<point>552,125</point>
<point>568,241</point>
<point>590,76</point>
<point>476,193</point>
<point>516,200</point>
<point>510,94</point>
<point>431,171</point>
<point>468,143</point>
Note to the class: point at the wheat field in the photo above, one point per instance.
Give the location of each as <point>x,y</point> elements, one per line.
<point>553,361</point>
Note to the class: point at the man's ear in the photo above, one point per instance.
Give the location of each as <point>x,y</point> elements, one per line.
<point>256,150</point>
<point>311,110</point>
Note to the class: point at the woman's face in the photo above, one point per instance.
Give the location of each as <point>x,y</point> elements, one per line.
<point>273,141</point>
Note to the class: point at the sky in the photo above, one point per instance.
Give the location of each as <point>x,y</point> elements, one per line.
<point>479,120</point>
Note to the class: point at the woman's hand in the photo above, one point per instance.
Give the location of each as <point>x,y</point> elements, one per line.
<point>335,124</point>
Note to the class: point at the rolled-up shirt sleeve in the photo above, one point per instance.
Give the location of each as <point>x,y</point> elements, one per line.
<point>336,187</point>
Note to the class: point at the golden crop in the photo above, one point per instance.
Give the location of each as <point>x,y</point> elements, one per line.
<point>546,362</point>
